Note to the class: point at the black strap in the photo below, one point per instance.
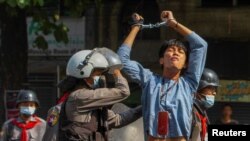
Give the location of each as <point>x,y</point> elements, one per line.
<point>62,121</point>
<point>132,22</point>
<point>103,127</point>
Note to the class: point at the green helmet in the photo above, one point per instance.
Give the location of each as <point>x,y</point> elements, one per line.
<point>208,78</point>
<point>27,96</point>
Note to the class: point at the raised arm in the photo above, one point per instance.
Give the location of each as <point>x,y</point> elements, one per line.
<point>91,99</point>
<point>133,69</point>
<point>198,49</point>
<point>134,30</point>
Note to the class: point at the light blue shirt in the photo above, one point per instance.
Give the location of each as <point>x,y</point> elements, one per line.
<point>179,99</point>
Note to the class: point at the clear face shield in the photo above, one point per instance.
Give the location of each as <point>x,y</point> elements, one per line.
<point>112,58</point>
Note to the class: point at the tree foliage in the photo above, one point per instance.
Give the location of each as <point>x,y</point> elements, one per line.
<point>46,14</point>
<point>48,19</point>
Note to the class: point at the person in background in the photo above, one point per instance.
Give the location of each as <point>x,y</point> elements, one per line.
<point>27,127</point>
<point>226,117</point>
<point>204,99</point>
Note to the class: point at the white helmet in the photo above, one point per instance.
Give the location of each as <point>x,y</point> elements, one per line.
<point>82,63</point>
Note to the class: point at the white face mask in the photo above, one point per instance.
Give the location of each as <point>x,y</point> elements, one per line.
<point>208,102</point>
<point>27,110</point>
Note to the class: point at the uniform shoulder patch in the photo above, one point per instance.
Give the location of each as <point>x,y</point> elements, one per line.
<point>53,115</point>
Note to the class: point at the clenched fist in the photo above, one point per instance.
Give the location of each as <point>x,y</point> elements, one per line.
<point>136,20</point>
<point>168,17</point>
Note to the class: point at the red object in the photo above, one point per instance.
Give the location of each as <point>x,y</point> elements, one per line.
<point>163,123</point>
<point>63,98</point>
<point>203,125</point>
<point>24,127</point>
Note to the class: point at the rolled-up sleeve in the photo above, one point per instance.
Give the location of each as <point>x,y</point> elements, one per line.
<point>197,59</point>
<point>87,99</point>
<point>133,69</point>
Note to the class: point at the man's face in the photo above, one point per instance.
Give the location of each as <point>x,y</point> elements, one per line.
<point>174,57</point>
<point>206,96</point>
<point>27,108</point>
<point>95,74</point>
<point>227,111</point>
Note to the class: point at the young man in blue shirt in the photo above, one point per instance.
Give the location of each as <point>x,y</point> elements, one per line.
<point>167,99</point>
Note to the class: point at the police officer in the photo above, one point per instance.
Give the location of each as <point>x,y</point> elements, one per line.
<point>84,117</point>
<point>27,126</point>
<point>204,99</point>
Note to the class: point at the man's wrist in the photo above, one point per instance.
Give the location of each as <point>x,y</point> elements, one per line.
<point>173,23</point>
<point>136,27</point>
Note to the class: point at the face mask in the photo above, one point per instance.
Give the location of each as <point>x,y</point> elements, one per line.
<point>208,102</point>
<point>27,110</point>
<point>96,83</point>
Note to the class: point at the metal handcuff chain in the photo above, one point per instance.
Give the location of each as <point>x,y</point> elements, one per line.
<point>156,25</point>
<point>151,26</point>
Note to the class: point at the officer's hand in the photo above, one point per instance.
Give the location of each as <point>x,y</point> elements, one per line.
<point>117,72</point>
<point>168,17</point>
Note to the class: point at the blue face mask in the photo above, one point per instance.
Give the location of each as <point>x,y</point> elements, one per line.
<point>96,83</point>
<point>27,110</point>
<point>208,102</point>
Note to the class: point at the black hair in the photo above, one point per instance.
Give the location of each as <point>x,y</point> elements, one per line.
<point>173,42</point>
<point>227,105</point>
<point>70,83</point>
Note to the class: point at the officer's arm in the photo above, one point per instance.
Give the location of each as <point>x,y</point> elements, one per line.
<point>134,70</point>
<point>90,99</point>
<point>117,120</point>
